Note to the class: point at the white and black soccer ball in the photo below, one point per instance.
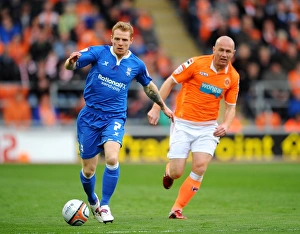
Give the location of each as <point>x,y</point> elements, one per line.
<point>75,212</point>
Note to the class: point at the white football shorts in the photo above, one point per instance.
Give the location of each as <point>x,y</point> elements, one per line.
<point>187,136</point>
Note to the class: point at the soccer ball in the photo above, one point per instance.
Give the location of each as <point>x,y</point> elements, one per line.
<point>75,212</point>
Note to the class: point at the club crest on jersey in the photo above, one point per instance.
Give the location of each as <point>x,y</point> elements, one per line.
<point>210,89</point>
<point>188,63</point>
<point>227,82</point>
<point>203,73</point>
<point>128,71</point>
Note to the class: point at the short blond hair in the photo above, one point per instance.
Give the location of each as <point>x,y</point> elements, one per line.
<point>124,26</point>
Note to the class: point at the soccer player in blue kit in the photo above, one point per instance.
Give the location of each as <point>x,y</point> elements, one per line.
<point>100,124</point>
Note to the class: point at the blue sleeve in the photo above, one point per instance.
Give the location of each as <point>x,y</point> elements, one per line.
<point>88,56</point>
<point>143,78</point>
<point>35,114</point>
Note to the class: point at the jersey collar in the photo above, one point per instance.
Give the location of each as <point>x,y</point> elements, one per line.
<point>124,57</point>
<point>212,67</point>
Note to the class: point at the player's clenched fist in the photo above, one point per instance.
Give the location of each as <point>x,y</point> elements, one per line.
<point>71,61</point>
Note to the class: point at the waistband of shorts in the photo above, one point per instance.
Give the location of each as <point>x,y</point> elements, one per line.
<point>204,123</point>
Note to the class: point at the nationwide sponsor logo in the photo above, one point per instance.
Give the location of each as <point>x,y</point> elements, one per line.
<point>112,84</point>
<point>210,89</point>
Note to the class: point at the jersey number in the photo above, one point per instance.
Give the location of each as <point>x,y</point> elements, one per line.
<point>117,126</point>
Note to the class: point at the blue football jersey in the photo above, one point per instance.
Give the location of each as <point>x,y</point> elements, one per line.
<point>108,80</point>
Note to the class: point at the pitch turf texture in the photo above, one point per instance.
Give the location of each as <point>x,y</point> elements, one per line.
<point>234,198</point>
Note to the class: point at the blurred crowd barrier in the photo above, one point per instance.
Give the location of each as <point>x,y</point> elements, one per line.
<point>143,144</point>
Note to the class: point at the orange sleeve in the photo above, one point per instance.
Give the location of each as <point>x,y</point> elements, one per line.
<point>232,93</point>
<point>184,71</point>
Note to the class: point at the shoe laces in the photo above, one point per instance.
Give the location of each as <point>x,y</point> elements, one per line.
<point>105,210</point>
<point>97,211</point>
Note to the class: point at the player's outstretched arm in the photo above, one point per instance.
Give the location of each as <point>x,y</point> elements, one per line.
<point>229,115</point>
<point>71,61</point>
<point>167,86</point>
<point>153,93</point>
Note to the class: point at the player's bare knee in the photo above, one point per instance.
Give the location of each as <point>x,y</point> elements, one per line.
<point>88,172</point>
<point>111,161</point>
<point>175,174</point>
<point>89,169</point>
<point>199,169</point>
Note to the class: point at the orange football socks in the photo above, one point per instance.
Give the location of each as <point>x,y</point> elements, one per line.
<point>187,190</point>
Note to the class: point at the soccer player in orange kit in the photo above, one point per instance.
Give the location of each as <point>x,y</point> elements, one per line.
<point>205,81</point>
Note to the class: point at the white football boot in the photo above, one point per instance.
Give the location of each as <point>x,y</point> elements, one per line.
<point>95,210</point>
<point>102,214</point>
<point>105,214</point>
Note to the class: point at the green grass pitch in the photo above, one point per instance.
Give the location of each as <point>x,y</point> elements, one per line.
<point>233,198</point>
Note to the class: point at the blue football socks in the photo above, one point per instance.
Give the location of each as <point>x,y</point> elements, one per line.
<point>109,182</point>
<point>89,187</point>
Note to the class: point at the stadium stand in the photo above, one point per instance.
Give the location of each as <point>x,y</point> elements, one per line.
<point>267,36</point>
<point>37,36</point>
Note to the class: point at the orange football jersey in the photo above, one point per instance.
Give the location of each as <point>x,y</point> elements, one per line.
<point>203,88</point>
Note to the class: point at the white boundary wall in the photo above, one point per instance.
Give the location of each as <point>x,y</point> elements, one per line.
<point>38,145</point>
<point>142,144</point>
